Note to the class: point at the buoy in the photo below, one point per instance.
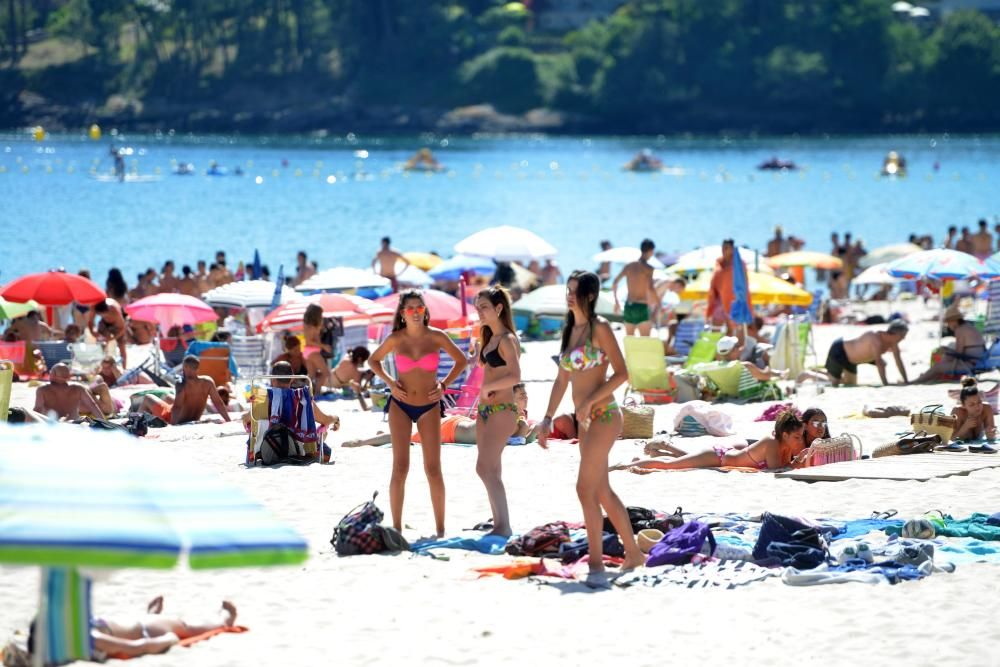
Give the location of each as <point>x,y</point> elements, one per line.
<point>38,133</point>
<point>94,132</point>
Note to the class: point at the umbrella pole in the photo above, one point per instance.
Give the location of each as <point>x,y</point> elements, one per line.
<point>40,654</point>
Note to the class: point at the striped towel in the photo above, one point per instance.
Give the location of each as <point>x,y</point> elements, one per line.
<point>64,626</point>
<point>691,428</point>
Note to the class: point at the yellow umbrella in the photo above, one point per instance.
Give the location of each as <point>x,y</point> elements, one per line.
<point>422,260</point>
<point>817,260</point>
<point>10,310</point>
<point>765,289</point>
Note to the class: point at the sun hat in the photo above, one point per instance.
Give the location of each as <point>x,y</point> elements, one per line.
<point>647,538</point>
<point>726,344</point>
<point>953,313</point>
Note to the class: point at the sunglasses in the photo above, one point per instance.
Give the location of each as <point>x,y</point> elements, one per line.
<point>415,310</point>
<point>817,424</point>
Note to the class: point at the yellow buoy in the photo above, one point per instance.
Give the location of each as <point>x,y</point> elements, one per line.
<point>38,133</point>
<point>94,132</point>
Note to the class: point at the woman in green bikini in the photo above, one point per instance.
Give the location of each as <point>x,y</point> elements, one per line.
<point>497,413</point>
<point>588,348</point>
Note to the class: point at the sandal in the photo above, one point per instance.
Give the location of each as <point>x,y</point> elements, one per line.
<point>983,449</point>
<point>887,514</point>
<point>485,526</point>
<point>956,446</point>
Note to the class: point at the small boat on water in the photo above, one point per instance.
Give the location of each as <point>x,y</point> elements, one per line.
<point>777,164</point>
<point>184,169</point>
<point>894,165</point>
<point>423,161</point>
<point>645,162</point>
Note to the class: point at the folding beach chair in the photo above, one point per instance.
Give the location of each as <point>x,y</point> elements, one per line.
<point>249,354</point>
<point>307,441</point>
<point>992,325</point>
<point>687,333</point>
<point>703,350</point>
<point>6,380</point>
<point>792,343</point>
<point>215,363</point>
<point>463,339</point>
<point>14,352</point>
<point>53,351</point>
<point>647,369</point>
<point>466,399</point>
<point>86,357</point>
<point>735,381</point>
<point>354,336</point>
<point>173,350</point>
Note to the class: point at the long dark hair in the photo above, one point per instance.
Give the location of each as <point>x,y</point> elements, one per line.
<point>115,284</point>
<point>398,321</point>
<point>588,286</point>
<point>313,315</point>
<point>497,296</point>
<point>810,413</point>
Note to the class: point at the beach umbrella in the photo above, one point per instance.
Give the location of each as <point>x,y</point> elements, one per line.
<point>765,289</point>
<point>877,274</point>
<point>943,264</point>
<point>249,294</point>
<point>704,259</point>
<point>125,504</point>
<point>506,244</point>
<point>10,310</point>
<point>171,310</point>
<point>443,307</point>
<point>455,267</point>
<point>740,311</point>
<point>624,255</point>
<point>888,253</point>
<point>422,260</point>
<point>342,278</point>
<point>348,307</point>
<point>816,260</point>
<point>256,268</point>
<point>279,285</point>
<point>551,300</point>
<point>411,275</point>
<point>53,288</point>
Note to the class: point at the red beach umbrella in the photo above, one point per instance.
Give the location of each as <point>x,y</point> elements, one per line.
<point>53,288</point>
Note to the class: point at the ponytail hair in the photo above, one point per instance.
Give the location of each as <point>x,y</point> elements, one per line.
<point>588,287</point>
<point>787,422</point>
<point>970,388</point>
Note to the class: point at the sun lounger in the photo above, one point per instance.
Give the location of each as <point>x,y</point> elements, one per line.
<point>687,333</point>
<point>249,355</point>
<point>647,369</point>
<point>735,381</point>
<point>703,350</point>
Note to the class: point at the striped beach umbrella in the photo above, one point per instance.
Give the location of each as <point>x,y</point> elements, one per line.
<point>248,294</point>
<point>349,307</point>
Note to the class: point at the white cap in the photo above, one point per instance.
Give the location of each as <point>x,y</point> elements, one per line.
<point>726,344</point>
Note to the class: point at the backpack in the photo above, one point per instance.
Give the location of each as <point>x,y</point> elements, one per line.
<point>642,518</point>
<point>359,531</point>
<point>574,551</point>
<point>541,541</point>
<point>778,529</point>
<point>280,446</point>
<point>679,545</point>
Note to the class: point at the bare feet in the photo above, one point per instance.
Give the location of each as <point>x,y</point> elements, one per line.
<point>500,532</point>
<point>639,471</point>
<point>155,605</point>
<point>623,466</point>
<point>228,613</point>
<point>634,561</point>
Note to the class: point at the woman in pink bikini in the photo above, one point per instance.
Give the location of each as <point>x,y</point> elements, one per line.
<point>416,398</point>
<point>588,348</point>
<point>316,364</point>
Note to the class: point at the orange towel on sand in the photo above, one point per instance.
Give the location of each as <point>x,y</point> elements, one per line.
<point>192,640</point>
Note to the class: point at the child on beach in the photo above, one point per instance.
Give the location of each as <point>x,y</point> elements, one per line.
<point>975,419</point>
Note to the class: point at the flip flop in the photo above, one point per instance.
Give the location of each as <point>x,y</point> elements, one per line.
<point>484,526</point>
<point>952,447</point>
<point>887,514</point>
<point>982,449</point>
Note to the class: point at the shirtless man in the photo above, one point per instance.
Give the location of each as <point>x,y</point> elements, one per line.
<point>304,270</point>
<point>31,328</point>
<point>386,259</point>
<point>778,244</point>
<point>191,397</point>
<point>188,284</point>
<point>604,270</point>
<point>168,281</point>
<point>551,275</point>
<point>845,355</point>
<point>982,241</point>
<point>64,398</point>
<point>639,277</point>
<point>201,278</point>
<point>112,326</point>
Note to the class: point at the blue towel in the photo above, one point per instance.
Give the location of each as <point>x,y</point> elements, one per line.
<point>865,526</point>
<point>487,544</point>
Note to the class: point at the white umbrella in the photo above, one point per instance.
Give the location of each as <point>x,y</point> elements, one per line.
<point>247,294</point>
<point>876,275</point>
<point>624,255</point>
<point>342,278</point>
<point>506,244</point>
<point>888,253</point>
<point>551,300</point>
<point>703,259</point>
<point>411,275</point>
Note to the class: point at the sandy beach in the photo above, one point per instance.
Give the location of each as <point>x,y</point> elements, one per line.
<point>414,609</point>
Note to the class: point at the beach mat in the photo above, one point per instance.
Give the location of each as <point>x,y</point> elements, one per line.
<point>194,639</point>
<point>919,467</point>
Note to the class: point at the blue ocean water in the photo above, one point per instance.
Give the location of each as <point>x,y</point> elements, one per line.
<point>334,197</point>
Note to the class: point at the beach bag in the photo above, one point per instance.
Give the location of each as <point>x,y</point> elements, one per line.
<point>637,420</point>
<point>830,450</point>
<point>909,443</point>
<point>570,552</point>
<point>775,528</point>
<point>540,541</point>
<point>359,531</point>
<point>932,419</point>
<point>280,446</point>
<point>642,518</point>
<point>681,544</point>
<point>688,387</point>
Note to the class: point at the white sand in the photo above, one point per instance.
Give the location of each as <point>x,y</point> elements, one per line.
<point>371,610</point>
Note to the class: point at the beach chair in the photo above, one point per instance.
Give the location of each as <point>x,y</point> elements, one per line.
<point>463,339</point>
<point>354,336</point>
<point>249,354</point>
<point>308,440</point>
<point>991,326</point>
<point>6,380</point>
<point>173,350</point>
<point>991,360</point>
<point>703,350</point>
<point>14,352</point>
<point>216,363</point>
<point>53,351</point>
<point>466,400</point>
<point>62,629</point>
<point>86,358</point>
<point>647,370</point>
<point>687,333</point>
<point>792,343</point>
<point>735,381</point>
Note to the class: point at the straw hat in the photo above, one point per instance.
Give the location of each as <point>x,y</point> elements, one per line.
<point>647,538</point>
<point>953,313</point>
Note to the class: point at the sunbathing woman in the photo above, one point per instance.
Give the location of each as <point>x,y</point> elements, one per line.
<point>588,348</point>
<point>770,453</point>
<point>816,426</point>
<point>975,420</point>
<point>499,351</point>
<point>351,373</point>
<point>316,364</point>
<point>416,398</point>
<point>151,633</point>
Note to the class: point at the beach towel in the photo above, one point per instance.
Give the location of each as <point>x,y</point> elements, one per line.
<point>712,573</point>
<point>63,630</point>
<point>947,526</point>
<point>189,641</point>
<point>487,544</point>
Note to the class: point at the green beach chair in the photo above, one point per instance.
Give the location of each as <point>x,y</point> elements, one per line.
<point>647,369</point>
<point>703,350</point>
<point>6,379</point>
<point>735,381</point>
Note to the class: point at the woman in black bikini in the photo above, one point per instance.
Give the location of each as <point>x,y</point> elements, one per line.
<point>497,412</point>
<point>416,398</point>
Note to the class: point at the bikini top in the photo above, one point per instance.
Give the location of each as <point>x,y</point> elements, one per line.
<point>492,358</point>
<point>428,362</point>
<point>583,358</point>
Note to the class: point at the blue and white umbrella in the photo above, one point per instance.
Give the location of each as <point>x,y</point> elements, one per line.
<point>454,268</point>
<point>740,311</point>
<point>943,264</point>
